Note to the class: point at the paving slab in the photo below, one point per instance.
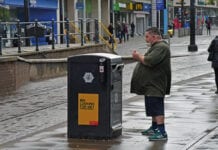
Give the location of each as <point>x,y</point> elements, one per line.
<point>191,122</point>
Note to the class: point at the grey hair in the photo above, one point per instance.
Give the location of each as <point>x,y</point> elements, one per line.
<point>154,31</point>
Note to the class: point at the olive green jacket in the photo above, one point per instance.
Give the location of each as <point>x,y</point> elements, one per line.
<point>153,78</point>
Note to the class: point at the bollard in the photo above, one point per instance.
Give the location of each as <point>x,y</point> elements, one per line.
<point>18,36</point>
<point>36,35</point>
<point>81,25</point>
<point>68,32</point>
<point>112,42</point>
<point>0,44</point>
<point>96,32</point>
<point>53,39</point>
<point>19,43</point>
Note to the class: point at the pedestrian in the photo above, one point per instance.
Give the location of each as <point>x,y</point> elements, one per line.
<point>111,30</point>
<point>213,57</point>
<point>152,78</point>
<point>118,31</point>
<point>208,25</point>
<point>49,36</point>
<point>132,29</point>
<point>123,31</point>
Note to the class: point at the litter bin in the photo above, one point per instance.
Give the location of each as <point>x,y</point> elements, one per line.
<point>95,96</point>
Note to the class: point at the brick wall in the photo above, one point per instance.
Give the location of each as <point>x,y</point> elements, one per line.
<point>17,71</point>
<point>13,74</point>
<point>22,73</point>
<point>7,77</point>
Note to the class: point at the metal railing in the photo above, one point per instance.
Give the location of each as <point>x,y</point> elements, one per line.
<point>21,34</point>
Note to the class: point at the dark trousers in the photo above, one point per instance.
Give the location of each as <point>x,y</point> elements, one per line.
<point>208,31</point>
<point>216,77</point>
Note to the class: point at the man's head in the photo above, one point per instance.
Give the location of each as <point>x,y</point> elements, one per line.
<point>152,35</point>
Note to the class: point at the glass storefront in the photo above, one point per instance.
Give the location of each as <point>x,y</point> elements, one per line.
<point>13,10</point>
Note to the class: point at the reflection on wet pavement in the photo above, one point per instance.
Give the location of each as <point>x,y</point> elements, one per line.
<point>191,115</point>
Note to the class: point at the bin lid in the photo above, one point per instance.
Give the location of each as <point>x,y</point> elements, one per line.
<point>112,57</point>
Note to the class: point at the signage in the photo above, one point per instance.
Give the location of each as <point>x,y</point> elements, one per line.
<point>138,6</point>
<point>206,2</point>
<point>79,5</point>
<point>32,3</point>
<point>201,2</point>
<point>147,7</point>
<point>48,4</point>
<point>130,6</point>
<point>179,2</point>
<point>116,7</point>
<point>210,2</point>
<point>88,108</point>
<point>160,4</point>
<point>122,5</point>
<point>170,3</point>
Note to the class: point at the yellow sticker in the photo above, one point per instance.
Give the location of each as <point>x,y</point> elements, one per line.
<point>88,109</point>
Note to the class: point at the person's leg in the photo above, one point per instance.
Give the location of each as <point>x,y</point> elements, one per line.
<point>120,38</point>
<point>160,123</point>
<point>151,129</point>
<point>158,115</point>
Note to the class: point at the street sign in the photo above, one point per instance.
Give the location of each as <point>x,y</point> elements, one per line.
<point>146,7</point>
<point>116,7</point>
<point>79,5</point>
<point>160,4</point>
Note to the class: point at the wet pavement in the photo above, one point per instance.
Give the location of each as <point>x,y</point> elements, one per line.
<point>35,116</point>
<point>191,121</point>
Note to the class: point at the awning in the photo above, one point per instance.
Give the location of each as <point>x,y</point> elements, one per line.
<point>49,4</point>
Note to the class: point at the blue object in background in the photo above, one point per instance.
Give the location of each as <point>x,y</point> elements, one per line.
<point>165,21</point>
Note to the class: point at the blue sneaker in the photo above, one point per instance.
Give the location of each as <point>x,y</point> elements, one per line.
<point>148,132</point>
<point>158,136</point>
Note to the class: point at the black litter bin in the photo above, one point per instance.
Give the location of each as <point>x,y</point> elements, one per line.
<point>95,96</point>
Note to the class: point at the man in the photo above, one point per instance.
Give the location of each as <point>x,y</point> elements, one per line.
<point>213,57</point>
<point>152,78</point>
<point>118,31</point>
<point>111,30</point>
<point>208,25</point>
<point>132,29</point>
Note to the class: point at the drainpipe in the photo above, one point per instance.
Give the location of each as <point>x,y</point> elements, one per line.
<point>84,18</point>
<point>154,14</point>
<point>99,15</point>
<point>26,18</point>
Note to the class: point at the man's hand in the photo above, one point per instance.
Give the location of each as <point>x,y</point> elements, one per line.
<point>137,56</point>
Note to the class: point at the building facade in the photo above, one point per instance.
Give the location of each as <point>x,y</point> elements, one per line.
<point>133,11</point>
<point>25,11</point>
<point>204,9</point>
